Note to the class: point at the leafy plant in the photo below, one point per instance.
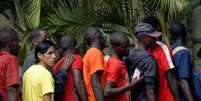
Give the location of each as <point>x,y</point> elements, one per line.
<point>61,17</point>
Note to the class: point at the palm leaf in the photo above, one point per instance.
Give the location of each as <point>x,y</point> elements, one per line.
<point>32,10</point>
<point>64,21</point>
<point>169,8</point>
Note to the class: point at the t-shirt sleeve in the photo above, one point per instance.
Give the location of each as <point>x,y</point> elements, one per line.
<point>47,83</point>
<point>77,63</point>
<point>184,64</point>
<point>12,74</point>
<point>96,62</point>
<point>113,71</point>
<point>150,73</point>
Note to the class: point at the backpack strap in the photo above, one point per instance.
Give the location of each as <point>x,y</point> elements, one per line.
<point>179,48</point>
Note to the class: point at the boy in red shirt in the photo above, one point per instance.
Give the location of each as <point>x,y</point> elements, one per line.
<point>74,86</point>
<point>9,66</point>
<point>116,72</point>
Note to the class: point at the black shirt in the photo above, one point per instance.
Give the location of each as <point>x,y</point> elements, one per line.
<point>145,63</point>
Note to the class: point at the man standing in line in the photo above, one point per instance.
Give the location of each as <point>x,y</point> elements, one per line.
<point>182,61</point>
<point>141,62</point>
<point>117,86</point>
<point>162,54</point>
<point>9,66</point>
<point>94,69</point>
<point>74,89</point>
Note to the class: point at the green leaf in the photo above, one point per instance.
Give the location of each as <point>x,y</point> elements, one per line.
<point>32,10</point>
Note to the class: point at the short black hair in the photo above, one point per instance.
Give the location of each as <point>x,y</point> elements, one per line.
<point>117,38</point>
<point>91,34</point>
<point>36,33</point>
<point>5,37</point>
<point>178,30</point>
<point>67,42</point>
<point>152,21</point>
<point>42,48</point>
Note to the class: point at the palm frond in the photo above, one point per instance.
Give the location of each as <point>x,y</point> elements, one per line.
<point>170,8</point>
<point>32,11</point>
<point>188,8</point>
<point>196,3</point>
<point>73,21</point>
<point>24,43</point>
<point>7,5</point>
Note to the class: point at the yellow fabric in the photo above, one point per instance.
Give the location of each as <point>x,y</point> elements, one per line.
<point>37,81</point>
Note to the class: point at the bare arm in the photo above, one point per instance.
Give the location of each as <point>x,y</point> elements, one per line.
<point>48,97</point>
<point>186,89</point>
<point>79,85</point>
<point>173,84</point>
<point>150,95</point>
<point>111,90</point>
<point>12,93</point>
<point>97,87</point>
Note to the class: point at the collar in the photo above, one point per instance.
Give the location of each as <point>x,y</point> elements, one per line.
<point>3,53</point>
<point>177,43</point>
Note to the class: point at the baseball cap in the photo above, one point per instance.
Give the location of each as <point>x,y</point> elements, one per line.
<point>145,29</point>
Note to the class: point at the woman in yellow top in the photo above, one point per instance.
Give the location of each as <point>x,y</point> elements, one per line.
<point>38,83</point>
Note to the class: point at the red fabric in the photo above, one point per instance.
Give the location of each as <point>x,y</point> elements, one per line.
<point>165,93</point>
<point>69,94</point>
<point>116,72</point>
<point>9,73</point>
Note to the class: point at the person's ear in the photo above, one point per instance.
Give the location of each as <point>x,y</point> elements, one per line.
<point>143,38</point>
<point>39,55</point>
<point>35,42</point>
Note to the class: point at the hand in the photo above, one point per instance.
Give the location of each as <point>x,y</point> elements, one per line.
<point>137,80</point>
<point>68,61</point>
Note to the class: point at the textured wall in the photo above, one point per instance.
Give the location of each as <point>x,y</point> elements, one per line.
<point>196,34</point>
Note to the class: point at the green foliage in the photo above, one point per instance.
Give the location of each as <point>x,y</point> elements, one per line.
<point>32,10</point>
<point>61,17</point>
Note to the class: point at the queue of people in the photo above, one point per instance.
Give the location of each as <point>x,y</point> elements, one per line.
<point>152,72</point>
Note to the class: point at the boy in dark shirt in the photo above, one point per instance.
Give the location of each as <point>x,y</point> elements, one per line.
<point>140,62</point>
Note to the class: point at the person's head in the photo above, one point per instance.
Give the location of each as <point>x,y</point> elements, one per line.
<point>9,41</point>
<point>38,35</point>
<point>154,22</point>
<point>68,43</point>
<point>45,53</point>
<point>93,35</point>
<point>146,34</point>
<point>178,31</point>
<point>120,43</point>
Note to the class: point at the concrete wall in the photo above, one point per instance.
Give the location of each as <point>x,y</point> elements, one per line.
<point>196,34</point>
